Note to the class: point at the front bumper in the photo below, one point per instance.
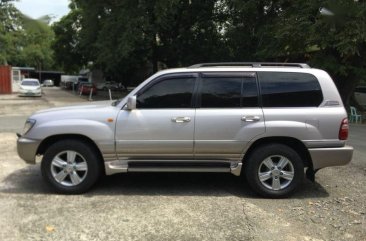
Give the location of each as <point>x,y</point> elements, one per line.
<point>326,157</point>
<point>30,92</point>
<point>27,149</point>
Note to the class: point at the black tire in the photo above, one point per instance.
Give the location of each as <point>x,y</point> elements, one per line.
<point>266,188</point>
<point>85,153</point>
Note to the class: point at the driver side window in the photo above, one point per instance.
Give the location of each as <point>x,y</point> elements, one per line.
<point>170,92</point>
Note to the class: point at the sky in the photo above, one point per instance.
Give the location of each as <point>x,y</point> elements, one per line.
<point>39,8</point>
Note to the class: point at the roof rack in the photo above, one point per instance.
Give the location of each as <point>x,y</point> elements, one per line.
<point>250,64</point>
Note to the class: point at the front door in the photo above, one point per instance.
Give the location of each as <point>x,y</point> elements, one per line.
<point>162,125</point>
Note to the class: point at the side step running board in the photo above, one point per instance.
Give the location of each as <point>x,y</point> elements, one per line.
<point>156,166</point>
<point>178,169</point>
<point>119,166</point>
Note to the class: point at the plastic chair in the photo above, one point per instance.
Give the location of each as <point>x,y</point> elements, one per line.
<point>354,117</point>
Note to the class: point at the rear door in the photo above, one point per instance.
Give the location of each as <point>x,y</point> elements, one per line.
<point>228,115</point>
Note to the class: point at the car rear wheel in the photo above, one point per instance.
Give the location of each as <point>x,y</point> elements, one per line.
<point>274,170</point>
<point>70,166</point>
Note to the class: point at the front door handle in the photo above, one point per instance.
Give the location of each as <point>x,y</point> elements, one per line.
<point>250,118</point>
<point>181,119</point>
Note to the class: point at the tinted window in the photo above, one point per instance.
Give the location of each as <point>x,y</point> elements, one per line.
<point>249,93</point>
<point>289,89</point>
<point>221,92</point>
<point>168,93</point>
<point>228,92</point>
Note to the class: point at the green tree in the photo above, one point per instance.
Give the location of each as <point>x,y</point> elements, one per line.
<point>66,44</point>
<point>336,43</point>
<point>122,37</point>
<point>125,36</point>
<point>36,44</point>
<point>10,32</point>
<point>24,41</point>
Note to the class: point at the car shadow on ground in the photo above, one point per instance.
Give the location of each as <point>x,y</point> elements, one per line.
<point>29,180</point>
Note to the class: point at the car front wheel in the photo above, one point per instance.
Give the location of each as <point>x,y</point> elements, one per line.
<point>274,170</point>
<point>70,167</point>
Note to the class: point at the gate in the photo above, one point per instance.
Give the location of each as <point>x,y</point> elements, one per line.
<point>5,79</point>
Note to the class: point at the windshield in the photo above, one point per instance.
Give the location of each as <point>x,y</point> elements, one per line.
<point>30,83</point>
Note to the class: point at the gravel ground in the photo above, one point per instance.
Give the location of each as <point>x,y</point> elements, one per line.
<point>174,206</point>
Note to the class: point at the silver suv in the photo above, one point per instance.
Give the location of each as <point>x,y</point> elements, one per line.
<point>265,121</point>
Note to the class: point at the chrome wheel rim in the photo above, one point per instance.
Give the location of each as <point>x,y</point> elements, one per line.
<point>276,172</point>
<point>69,168</point>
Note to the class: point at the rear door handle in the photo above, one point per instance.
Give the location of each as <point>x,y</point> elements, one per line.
<point>181,119</point>
<point>250,118</point>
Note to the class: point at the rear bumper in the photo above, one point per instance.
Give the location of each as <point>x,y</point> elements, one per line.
<point>326,157</point>
<point>27,149</point>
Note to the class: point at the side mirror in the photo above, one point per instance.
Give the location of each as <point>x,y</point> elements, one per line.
<point>131,103</point>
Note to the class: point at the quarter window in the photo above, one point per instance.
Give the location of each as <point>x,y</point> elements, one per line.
<point>175,92</point>
<point>283,89</point>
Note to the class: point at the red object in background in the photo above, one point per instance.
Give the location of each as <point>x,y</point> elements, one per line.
<point>5,80</point>
<point>85,89</point>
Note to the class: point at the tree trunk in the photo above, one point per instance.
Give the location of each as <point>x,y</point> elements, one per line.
<point>346,89</point>
<point>154,54</point>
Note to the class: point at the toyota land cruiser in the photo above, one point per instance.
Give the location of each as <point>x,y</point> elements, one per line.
<point>268,122</point>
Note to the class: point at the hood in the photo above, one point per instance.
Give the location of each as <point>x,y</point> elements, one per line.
<point>90,107</point>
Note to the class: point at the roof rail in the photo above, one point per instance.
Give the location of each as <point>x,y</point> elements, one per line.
<point>250,64</point>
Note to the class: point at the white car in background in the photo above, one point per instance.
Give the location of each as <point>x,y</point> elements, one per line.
<point>48,83</point>
<point>30,87</point>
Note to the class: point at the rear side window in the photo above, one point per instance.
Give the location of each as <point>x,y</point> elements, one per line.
<point>284,89</point>
<point>221,92</point>
<point>228,91</point>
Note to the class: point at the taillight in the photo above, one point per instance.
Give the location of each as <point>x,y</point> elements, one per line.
<point>343,130</point>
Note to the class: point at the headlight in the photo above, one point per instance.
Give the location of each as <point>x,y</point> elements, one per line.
<point>28,125</point>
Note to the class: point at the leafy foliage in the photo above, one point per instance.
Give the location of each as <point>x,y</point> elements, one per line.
<point>9,31</point>
<point>24,41</point>
<point>335,43</point>
<point>123,37</point>
<point>66,45</point>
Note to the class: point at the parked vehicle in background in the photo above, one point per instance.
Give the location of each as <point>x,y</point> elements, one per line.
<point>81,80</point>
<point>265,121</point>
<point>108,85</point>
<point>86,88</point>
<point>30,87</point>
<point>68,81</point>
<point>360,95</point>
<point>72,81</point>
<point>48,83</point>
